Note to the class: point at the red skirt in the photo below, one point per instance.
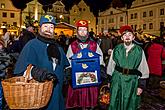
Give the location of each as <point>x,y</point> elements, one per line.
<point>82,97</point>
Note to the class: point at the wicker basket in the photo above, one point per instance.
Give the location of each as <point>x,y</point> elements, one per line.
<point>20,93</point>
<point>162,89</point>
<point>104,95</point>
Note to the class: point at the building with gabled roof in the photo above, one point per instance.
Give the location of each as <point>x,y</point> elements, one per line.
<point>59,12</point>
<point>110,19</point>
<point>33,10</point>
<point>9,16</point>
<point>81,11</point>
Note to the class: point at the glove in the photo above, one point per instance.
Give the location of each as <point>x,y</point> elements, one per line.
<point>42,75</point>
<point>52,77</point>
<point>68,75</point>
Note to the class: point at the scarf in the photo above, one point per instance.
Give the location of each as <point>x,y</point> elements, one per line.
<point>52,48</point>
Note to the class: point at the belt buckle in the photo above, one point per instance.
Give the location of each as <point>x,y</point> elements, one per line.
<point>125,71</point>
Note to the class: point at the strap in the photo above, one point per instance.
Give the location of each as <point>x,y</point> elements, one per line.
<point>104,86</point>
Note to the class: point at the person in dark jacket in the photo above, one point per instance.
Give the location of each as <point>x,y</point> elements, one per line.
<point>5,61</point>
<point>48,60</point>
<point>26,35</point>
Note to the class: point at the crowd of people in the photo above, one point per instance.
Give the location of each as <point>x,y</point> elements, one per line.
<point>128,65</point>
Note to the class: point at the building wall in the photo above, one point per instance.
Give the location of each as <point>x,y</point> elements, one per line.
<point>59,12</point>
<point>29,11</point>
<point>136,17</point>
<point>82,12</point>
<point>110,19</point>
<point>7,7</point>
<point>153,17</point>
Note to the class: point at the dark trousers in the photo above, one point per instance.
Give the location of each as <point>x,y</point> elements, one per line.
<point>153,82</point>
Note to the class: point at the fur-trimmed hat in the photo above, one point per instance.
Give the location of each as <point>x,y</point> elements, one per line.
<point>125,28</point>
<point>82,23</point>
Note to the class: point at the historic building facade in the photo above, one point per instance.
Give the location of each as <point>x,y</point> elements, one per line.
<point>32,11</point>
<point>148,15</point>
<point>9,15</point>
<point>12,18</point>
<point>82,11</point>
<point>59,12</point>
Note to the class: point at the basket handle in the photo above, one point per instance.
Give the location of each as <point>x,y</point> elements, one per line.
<point>103,87</point>
<point>27,73</point>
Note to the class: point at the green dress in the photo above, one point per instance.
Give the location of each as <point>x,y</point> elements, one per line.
<point>124,87</point>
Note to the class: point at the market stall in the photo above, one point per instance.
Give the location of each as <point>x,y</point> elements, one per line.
<point>68,29</point>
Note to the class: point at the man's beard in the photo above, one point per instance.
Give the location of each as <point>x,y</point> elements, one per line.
<point>127,43</point>
<point>82,38</point>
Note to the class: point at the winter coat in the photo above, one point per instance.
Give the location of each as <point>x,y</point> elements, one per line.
<point>155,55</point>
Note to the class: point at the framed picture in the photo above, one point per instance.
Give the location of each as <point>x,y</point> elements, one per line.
<point>86,78</point>
<point>85,69</point>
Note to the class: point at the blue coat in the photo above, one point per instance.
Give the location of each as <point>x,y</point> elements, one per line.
<point>35,52</point>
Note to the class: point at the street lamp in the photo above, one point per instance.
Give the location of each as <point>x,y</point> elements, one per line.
<point>36,10</point>
<point>61,17</point>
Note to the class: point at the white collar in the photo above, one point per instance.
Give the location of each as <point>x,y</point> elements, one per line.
<point>128,48</point>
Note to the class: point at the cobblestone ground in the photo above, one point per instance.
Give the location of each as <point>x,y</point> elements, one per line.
<point>152,101</point>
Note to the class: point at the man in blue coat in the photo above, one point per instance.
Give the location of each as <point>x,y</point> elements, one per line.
<point>48,60</point>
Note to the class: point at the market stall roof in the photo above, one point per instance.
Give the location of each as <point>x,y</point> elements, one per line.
<point>65,25</point>
<point>67,29</point>
<point>151,35</point>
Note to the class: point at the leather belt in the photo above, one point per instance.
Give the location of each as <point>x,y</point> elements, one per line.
<point>127,71</point>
